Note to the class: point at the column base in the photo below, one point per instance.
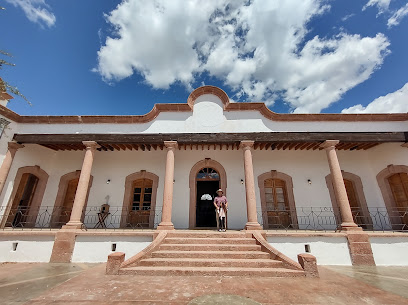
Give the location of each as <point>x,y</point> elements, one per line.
<point>347,226</point>
<point>165,226</point>
<point>72,225</point>
<point>253,226</point>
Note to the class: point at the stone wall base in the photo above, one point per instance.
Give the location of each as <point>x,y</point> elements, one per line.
<point>63,246</point>
<point>360,248</point>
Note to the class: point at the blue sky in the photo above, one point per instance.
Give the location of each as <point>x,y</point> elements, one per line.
<point>121,57</point>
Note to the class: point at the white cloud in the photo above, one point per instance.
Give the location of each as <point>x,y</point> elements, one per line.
<point>256,48</point>
<point>36,11</point>
<point>345,18</point>
<point>396,18</point>
<point>382,5</point>
<point>391,103</point>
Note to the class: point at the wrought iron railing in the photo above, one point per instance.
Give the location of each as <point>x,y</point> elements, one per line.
<point>329,219</point>
<point>49,217</point>
<point>301,218</point>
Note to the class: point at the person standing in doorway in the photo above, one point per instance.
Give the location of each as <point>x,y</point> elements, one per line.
<point>221,206</point>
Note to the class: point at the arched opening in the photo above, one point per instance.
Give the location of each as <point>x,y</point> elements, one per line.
<point>277,201</point>
<point>208,182</point>
<point>64,201</point>
<point>206,177</point>
<point>20,209</point>
<point>139,203</point>
<point>356,198</point>
<point>399,188</point>
<point>25,200</point>
<point>393,182</point>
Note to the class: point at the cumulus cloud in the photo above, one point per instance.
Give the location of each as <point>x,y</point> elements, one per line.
<point>36,11</point>
<point>382,5</point>
<point>257,48</point>
<point>396,18</point>
<point>391,103</point>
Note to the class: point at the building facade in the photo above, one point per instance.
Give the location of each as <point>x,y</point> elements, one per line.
<point>287,174</point>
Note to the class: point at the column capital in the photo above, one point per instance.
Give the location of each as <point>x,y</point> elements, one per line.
<point>14,146</point>
<point>246,145</point>
<point>91,145</point>
<point>329,144</point>
<point>405,145</point>
<point>171,144</point>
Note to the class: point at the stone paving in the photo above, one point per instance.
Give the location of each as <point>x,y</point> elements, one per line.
<point>24,283</point>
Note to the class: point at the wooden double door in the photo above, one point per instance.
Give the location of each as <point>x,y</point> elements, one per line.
<point>278,213</point>
<point>139,212</point>
<point>399,188</point>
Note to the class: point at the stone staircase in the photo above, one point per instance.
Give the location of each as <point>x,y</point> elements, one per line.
<point>210,253</point>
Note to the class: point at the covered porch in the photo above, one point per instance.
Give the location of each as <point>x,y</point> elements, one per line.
<point>265,211</point>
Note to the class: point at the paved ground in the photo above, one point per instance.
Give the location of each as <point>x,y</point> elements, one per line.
<point>24,283</point>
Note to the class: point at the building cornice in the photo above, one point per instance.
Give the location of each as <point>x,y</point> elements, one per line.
<point>188,107</point>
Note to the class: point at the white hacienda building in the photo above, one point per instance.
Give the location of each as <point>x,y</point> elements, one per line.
<point>118,181</point>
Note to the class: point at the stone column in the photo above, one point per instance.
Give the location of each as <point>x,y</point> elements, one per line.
<point>8,160</point>
<point>338,185</point>
<point>82,190</point>
<point>252,223</point>
<point>166,223</point>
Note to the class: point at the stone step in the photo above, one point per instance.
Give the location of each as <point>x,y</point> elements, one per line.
<point>209,247</point>
<point>210,240</point>
<point>206,234</point>
<point>211,271</point>
<point>208,254</point>
<point>212,262</point>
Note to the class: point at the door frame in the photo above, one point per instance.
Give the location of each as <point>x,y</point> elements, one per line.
<point>128,195</point>
<point>207,162</point>
<point>359,191</point>
<point>37,197</point>
<point>382,179</point>
<point>273,174</point>
<point>62,190</point>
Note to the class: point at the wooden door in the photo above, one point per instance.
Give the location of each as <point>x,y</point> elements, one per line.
<point>68,203</point>
<point>399,187</point>
<point>277,204</point>
<point>356,210</point>
<point>139,209</point>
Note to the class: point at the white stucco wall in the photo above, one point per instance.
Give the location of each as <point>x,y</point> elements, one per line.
<point>95,249</point>
<point>116,165</point>
<point>207,116</point>
<point>390,251</point>
<point>327,250</point>
<point>29,249</point>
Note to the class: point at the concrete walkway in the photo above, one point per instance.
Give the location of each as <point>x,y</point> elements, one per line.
<point>23,283</point>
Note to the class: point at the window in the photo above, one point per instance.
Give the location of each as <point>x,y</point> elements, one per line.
<point>142,195</point>
<point>208,173</point>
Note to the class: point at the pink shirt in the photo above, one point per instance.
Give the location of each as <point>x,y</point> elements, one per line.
<point>219,200</point>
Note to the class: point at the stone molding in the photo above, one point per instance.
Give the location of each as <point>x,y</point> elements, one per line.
<point>273,174</point>
<point>129,195</point>
<point>358,187</point>
<point>62,189</point>
<point>38,193</point>
<point>187,107</point>
<point>193,185</point>
<point>382,180</point>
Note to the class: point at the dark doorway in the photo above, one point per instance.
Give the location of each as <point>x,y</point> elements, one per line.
<point>205,210</point>
<point>19,214</point>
